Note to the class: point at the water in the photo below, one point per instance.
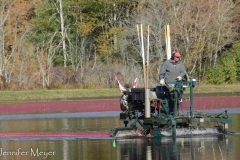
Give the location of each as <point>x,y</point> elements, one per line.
<point>88,149</point>
<point>71,148</point>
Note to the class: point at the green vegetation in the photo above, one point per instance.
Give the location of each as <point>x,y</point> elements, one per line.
<point>56,94</point>
<point>225,88</point>
<point>227,69</point>
<point>113,92</point>
<point>66,43</point>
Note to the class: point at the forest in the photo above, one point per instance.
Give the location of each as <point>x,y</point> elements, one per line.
<point>87,43</point>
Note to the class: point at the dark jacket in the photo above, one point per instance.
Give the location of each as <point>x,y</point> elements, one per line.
<point>171,70</point>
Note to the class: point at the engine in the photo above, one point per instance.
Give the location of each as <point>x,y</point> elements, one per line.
<point>133,101</point>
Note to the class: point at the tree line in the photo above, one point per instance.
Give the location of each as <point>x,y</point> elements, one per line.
<point>86,43</point>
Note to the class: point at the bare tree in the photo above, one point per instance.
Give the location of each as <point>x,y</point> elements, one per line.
<point>59,7</point>
<point>45,59</point>
<point>200,30</point>
<point>223,26</point>
<point>5,7</point>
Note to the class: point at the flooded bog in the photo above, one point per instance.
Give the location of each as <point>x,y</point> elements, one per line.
<point>67,131</point>
<point>102,147</point>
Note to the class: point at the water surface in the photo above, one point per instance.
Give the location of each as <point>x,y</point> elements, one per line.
<point>71,148</point>
<point>220,147</point>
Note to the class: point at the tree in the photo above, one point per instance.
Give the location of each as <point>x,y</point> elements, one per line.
<point>14,26</point>
<point>4,15</point>
<point>83,35</point>
<point>59,7</point>
<point>201,30</point>
<point>50,20</point>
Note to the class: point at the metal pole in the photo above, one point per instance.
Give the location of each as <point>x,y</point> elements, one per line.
<point>147,103</point>
<point>139,41</point>
<point>191,98</point>
<point>147,70</point>
<point>174,134</point>
<point>147,91</point>
<point>175,104</point>
<point>143,57</point>
<point>169,42</point>
<point>166,39</point>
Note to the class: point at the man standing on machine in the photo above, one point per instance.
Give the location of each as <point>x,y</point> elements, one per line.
<point>172,70</point>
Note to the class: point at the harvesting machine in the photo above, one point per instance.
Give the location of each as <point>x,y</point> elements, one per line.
<point>155,112</point>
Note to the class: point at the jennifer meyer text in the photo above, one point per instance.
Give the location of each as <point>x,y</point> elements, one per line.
<point>33,152</point>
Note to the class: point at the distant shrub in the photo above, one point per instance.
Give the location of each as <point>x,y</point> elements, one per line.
<point>228,64</point>
<point>225,71</point>
<point>236,50</point>
<point>215,75</point>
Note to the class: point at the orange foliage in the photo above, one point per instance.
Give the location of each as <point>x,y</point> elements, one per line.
<point>17,23</point>
<point>16,54</point>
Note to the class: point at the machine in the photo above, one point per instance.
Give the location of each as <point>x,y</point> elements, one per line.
<point>164,119</point>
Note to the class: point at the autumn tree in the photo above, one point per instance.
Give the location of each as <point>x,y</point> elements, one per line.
<point>98,30</point>
<point>201,29</point>
<point>14,26</point>
<point>5,8</point>
<point>104,32</point>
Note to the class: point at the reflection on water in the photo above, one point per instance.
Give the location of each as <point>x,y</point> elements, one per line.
<point>196,148</point>
<point>64,124</point>
<point>126,149</point>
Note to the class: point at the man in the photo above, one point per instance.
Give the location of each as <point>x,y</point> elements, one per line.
<point>172,70</point>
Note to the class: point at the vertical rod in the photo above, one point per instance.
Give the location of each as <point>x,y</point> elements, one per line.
<point>147,91</point>
<point>139,40</point>
<point>147,69</point>
<point>169,42</point>
<point>143,57</point>
<point>166,39</point>
<point>147,103</point>
<point>191,98</point>
<point>175,104</point>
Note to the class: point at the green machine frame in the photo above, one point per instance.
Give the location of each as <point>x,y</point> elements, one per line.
<point>169,118</point>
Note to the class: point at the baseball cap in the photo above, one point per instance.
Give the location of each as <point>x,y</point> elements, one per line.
<point>177,54</point>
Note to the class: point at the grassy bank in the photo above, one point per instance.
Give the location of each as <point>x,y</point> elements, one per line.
<point>208,88</point>
<point>79,93</point>
<point>53,94</point>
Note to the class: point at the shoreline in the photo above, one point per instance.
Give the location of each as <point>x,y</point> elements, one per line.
<point>221,94</point>
<point>106,93</point>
